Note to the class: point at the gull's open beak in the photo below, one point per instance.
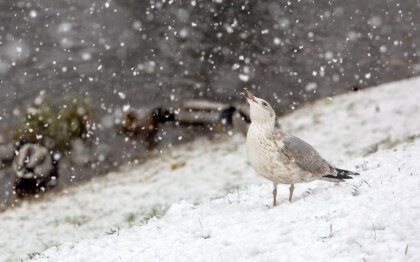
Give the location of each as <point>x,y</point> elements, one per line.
<point>249,96</point>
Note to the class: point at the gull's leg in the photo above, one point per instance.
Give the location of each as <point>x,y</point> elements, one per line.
<point>292,187</point>
<point>275,195</point>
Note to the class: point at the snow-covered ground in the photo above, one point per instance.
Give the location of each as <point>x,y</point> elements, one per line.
<point>215,207</point>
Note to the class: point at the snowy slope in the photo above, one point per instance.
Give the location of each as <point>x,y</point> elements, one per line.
<point>375,219</point>
<point>370,217</point>
<point>122,199</point>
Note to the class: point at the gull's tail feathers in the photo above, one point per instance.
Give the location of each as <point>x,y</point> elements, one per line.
<point>340,176</point>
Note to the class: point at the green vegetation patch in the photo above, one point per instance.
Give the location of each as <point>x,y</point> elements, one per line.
<point>156,212</point>
<point>53,127</point>
<point>389,143</point>
<point>73,220</point>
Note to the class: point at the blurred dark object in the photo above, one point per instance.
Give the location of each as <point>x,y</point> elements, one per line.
<point>189,113</point>
<point>85,160</point>
<point>156,52</point>
<point>7,151</point>
<point>148,124</point>
<point>34,169</point>
<point>198,112</point>
<point>46,133</point>
<point>241,119</point>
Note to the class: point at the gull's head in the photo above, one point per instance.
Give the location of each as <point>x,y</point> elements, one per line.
<point>260,110</point>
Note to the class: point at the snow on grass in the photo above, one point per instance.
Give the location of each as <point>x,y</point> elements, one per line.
<point>373,217</point>
<point>361,123</point>
<point>192,172</point>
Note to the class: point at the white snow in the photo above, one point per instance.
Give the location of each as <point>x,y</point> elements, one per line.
<point>383,49</point>
<point>310,87</point>
<point>86,56</point>
<point>33,14</point>
<point>220,210</point>
<point>147,67</point>
<point>243,77</point>
<point>15,51</point>
<point>375,21</point>
<point>348,222</point>
<point>122,95</point>
<point>64,27</point>
<point>137,25</point>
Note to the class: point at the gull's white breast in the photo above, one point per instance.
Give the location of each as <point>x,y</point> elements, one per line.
<point>265,156</point>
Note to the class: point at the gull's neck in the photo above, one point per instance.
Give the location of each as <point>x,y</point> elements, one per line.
<point>263,127</point>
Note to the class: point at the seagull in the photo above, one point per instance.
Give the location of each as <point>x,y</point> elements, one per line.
<point>283,158</point>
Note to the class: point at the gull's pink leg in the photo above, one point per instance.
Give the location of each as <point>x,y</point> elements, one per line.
<point>275,195</point>
<point>292,187</point>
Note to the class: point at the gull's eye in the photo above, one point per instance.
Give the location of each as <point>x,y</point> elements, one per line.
<point>264,104</point>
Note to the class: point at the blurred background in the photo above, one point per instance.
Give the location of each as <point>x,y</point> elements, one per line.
<point>83,64</point>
